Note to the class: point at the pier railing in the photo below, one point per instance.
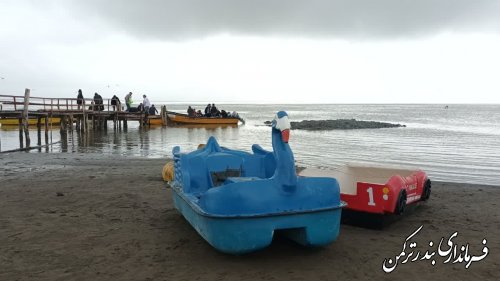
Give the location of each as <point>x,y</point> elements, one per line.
<point>16,103</point>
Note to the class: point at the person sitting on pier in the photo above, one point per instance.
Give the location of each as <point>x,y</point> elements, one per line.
<point>115,102</point>
<point>146,104</point>
<point>128,101</point>
<point>140,108</point>
<point>79,99</point>
<point>153,110</point>
<point>207,110</point>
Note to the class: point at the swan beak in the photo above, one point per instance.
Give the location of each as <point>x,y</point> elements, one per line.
<point>285,135</point>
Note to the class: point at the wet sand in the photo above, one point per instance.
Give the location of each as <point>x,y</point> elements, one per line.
<point>98,217</point>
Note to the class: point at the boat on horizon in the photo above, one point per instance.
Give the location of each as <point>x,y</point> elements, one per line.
<point>181,118</point>
<point>32,121</point>
<point>203,126</point>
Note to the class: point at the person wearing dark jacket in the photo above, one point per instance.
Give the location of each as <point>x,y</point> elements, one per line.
<point>79,99</point>
<point>115,102</point>
<point>153,110</point>
<point>190,111</point>
<point>98,103</point>
<point>213,110</point>
<point>207,110</point>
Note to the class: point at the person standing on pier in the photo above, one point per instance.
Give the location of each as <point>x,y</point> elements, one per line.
<point>128,101</point>
<point>98,102</point>
<point>115,102</point>
<point>146,104</point>
<point>79,99</point>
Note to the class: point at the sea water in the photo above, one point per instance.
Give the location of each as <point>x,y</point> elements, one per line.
<point>460,143</point>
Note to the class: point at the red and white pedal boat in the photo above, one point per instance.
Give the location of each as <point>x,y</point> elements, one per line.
<point>377,190</point>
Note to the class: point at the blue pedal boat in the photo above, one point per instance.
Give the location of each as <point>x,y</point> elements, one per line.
<point>238,200</point>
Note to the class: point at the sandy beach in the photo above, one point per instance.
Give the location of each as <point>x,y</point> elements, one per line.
<point>103,217</point>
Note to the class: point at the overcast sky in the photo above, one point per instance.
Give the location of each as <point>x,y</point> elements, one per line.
<point>277,51</point>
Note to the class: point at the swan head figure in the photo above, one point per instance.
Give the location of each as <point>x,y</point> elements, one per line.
<point>285,173</point>
<point>282,124</point>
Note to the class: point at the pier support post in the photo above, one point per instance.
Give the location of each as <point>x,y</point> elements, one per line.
<point>47,129</point>
<point>61,127</point>
<point>71,122</point>
<point>25,116</point>
<point>84,118</point>
<point>21,142</point>
<point>84,122</point>
<point>39,130</point>
<point>164,117</point>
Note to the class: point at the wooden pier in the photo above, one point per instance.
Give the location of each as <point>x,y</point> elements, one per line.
<point>68,114</point>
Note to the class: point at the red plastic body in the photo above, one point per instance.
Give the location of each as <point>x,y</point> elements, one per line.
<point>370,196</point>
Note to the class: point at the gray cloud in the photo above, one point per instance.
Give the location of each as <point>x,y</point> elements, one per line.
<point>359,19</point>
